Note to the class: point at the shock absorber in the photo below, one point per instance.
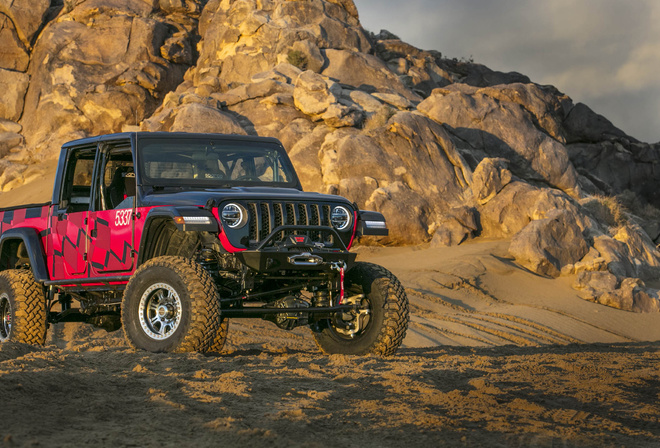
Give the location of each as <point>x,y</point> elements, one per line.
<point>321,298</point>
<point>208,259</point>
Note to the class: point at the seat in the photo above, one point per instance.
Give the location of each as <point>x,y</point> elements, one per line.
<point>121,187</point>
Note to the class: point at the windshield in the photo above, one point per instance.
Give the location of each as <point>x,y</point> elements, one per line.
<point>170,162</point>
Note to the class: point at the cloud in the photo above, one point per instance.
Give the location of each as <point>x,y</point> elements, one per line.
<point>590,49</point>
<point>641,69</point>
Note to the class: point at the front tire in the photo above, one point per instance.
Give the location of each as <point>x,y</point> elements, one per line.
<point>381,325</point>
<point>22,308</point>
<point>220,337</point>
<point>170,305</point>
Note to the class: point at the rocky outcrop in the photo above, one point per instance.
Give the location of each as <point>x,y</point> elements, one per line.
<point>101,66</point>
<point>448,150</point>
<point>629,294</point>
<point>488,122</point>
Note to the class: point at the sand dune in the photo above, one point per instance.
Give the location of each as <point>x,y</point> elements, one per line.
<point>494,356</point>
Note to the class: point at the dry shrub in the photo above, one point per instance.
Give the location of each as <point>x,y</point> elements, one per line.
<point>607,210</point>
<point>638,206</point>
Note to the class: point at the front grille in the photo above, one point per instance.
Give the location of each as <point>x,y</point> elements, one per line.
<point>264,217</point>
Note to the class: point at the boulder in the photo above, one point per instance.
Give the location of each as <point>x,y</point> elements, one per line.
<point>546,245</point>
<point>9,140</point>
<point>619,165</point>
<point>27,17</point>
<point>262,117</point>
<point>639,244</point>
<point>458,225</point>
<point>628,294</point>
<point>488,179</point>
<point>623,297</point>
<point>503,129</point>
<point>295,131</point>
<point>519,202</point>
<point>13,85</point>
<point>590,262</point>
<point>394,99</point>
<point>99,67</point>
<point>591,285</point>
<point>408,214</point>
<point>13,54</point>
<point>338,115</point>
<point>10,126</point>
<point>481,76</point>
<point>313,94</point>
<point>260,88</point>
<point>646,300</point>
<point>583,125</point>
<point>305,157</point>
<point>365,72</point>
<point>418,69</point>
<point>367,102</point>
<point>545,103</point>
<point>195,117</point>
<point>307,54</point>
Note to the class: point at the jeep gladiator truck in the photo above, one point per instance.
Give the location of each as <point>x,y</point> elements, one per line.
<point>169,235</point>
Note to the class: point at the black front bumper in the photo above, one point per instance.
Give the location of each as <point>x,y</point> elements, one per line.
<point>297,252</point>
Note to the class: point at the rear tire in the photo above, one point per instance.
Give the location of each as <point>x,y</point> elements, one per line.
<point>171,305</point>
<point>386,322</point>
<point>22,308</point>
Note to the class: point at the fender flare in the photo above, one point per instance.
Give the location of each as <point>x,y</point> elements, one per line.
<point>34,248</point>
<point>178,216</point>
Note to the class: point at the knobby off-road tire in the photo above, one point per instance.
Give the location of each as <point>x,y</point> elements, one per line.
<point>22,308</point>
<point>171,305</point>
<point>220,337</point>
<point>387,319</point>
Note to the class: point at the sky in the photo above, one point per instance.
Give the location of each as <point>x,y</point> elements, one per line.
<point>604,53</point>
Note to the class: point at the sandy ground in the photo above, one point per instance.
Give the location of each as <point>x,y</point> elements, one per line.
<point>495,356</point>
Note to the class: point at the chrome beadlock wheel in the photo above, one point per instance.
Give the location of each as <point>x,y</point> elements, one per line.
<point>5,315</point>
<point>160,311</point>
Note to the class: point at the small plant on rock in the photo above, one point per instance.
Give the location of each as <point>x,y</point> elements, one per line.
<point>297,59</point>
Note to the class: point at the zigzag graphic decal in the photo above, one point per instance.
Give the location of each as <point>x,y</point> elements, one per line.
<point>75,245</point>
<point>122,260</point>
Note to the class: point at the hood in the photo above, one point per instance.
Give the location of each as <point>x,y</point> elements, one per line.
<point>174,196</point>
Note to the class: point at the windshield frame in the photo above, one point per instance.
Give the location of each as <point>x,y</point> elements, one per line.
<point>236,144</point>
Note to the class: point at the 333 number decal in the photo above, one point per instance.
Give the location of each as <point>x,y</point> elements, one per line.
<point>123,217</point>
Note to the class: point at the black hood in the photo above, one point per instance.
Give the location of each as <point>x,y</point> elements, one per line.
<point>175,196</point>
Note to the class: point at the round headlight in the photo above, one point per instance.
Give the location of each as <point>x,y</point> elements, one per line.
<point>340,218</point>
<point>234,216</point>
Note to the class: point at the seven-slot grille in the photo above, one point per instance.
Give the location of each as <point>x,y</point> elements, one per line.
<point>264,217</point>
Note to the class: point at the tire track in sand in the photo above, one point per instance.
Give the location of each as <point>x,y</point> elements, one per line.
<point>482,327</point>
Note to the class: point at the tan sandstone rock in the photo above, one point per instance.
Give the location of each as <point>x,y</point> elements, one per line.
<point>546,245</point>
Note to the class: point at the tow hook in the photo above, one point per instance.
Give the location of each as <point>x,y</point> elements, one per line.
<point>341,267</point>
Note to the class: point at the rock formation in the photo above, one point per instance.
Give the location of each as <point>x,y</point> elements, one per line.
<point>446,149</point>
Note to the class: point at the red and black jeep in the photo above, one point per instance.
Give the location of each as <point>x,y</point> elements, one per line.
<point>169,235</point>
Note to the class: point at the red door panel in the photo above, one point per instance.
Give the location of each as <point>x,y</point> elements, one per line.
<point>69,246</point>
<point>111,241</point>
